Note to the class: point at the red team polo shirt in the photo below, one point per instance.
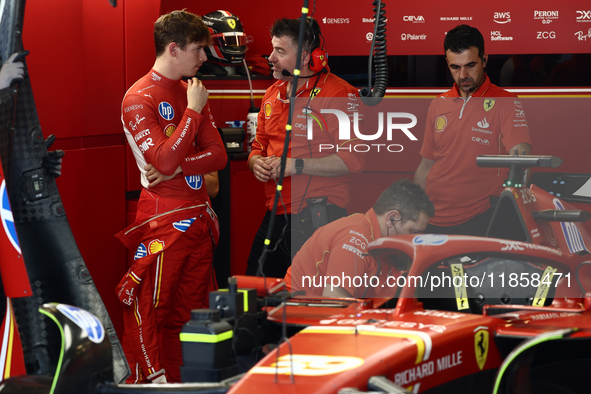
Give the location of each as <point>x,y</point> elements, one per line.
<point>270,138</point>
<point>490,122</point>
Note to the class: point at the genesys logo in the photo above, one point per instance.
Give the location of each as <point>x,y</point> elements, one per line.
<point>414,19</point>
<point>502,17</point>
<point>584,16</point>
<point>335,21</point>
<point>546,35</point>
<point>545,16</point>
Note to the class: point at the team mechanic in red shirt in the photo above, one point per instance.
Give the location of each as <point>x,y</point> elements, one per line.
<point>314,172</point>
<point>474,118</point>
<point>172,134</point>
<point>338,251</point>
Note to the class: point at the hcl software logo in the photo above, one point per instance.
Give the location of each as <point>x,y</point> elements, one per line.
<point>388,122</point>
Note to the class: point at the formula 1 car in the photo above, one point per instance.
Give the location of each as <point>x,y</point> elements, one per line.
<point>471,315</point>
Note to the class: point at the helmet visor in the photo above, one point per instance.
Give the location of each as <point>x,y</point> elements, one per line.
<point>234,39</point>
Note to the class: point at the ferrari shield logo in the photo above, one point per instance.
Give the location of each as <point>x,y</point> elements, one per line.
<point>481,347</point>
<point>488,104</point>
<point>232,23</point>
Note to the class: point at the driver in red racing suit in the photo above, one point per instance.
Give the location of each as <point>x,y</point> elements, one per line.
<point>171,132</point>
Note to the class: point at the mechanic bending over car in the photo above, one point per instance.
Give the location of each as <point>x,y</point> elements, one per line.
<point>474,118</point>
<point>337,249</point>
<point>310,174</point>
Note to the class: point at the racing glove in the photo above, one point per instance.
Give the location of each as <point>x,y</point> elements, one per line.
<point>12,70</point>
<point>52,161</point>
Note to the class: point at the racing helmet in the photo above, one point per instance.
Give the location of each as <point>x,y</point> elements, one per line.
<point>228,41</point>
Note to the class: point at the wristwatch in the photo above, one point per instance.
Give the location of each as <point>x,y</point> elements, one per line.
<point>299,165</point>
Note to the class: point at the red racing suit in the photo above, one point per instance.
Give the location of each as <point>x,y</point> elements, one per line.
<point>175,231</point>
<point>490,122</point>
<point>336,252</point>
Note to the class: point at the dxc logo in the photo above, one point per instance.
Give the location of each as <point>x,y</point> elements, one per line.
<point>345,125</point>
<point>583,15</point>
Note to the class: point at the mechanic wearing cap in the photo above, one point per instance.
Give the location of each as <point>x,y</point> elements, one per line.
<point>309,173</point>
<point>337,249</point>
<point>474,118</point>
<point>173,137</point>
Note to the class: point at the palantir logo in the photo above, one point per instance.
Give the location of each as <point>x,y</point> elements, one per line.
<point>166,110</point>
<point>7,218</point>
<point>85,320</point>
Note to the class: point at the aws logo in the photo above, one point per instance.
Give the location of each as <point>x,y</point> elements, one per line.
<point>502,17</point>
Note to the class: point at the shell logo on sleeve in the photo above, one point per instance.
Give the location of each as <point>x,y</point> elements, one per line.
<point>155,246</point>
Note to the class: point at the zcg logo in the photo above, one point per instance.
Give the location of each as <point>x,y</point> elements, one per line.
<point>545,35</point>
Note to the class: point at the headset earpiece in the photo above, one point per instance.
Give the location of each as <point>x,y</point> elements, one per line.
<point>318,60</point>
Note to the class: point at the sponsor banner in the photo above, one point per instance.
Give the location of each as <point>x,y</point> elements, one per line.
<point>508,27</point>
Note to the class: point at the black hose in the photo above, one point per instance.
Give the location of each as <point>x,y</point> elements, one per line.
<point>378,53</point>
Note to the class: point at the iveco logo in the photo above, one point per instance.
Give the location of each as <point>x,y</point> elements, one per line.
<point>502,17</point>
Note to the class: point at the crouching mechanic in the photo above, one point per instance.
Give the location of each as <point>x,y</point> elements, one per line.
<point>170,129</point>
<point>338,249</point>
